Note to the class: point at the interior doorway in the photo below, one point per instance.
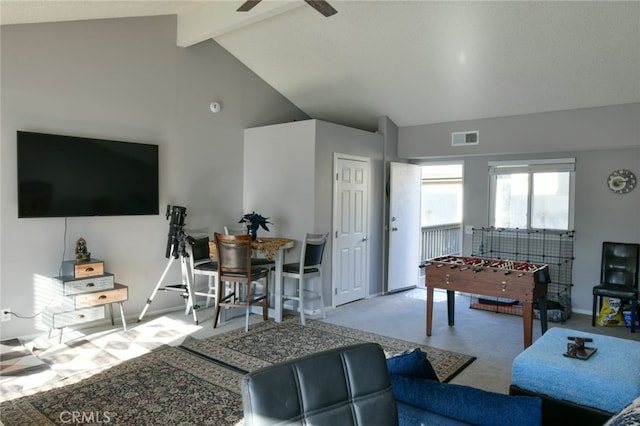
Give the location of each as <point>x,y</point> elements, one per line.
<point>441,209</point>
<point>404,226</point>
<point>351,228</point>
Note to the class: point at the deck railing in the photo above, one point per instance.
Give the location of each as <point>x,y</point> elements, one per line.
<point>441,240</point>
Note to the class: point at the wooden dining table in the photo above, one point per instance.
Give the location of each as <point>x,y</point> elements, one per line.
<point>273,248</point>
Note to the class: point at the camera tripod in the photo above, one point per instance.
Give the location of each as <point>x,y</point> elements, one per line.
<point>177,249</point>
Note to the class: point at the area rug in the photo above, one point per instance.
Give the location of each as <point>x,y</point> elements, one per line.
<point>15,360</point>
<point>269,342</point>
<point>21,370</point>
<point>167,387</point>
<point>82,353</point>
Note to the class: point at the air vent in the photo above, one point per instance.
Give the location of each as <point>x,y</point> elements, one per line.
<point>464,138</point>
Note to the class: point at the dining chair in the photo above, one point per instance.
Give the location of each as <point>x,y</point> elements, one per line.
<point>618,277</point>
<point>257,260</point>
<point>235,267</point>
<point>200,263</point>
<point>235,230</point>
<point>309,266</point>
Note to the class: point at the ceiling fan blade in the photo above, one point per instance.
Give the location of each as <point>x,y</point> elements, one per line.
<point>322,6</point>
<point>248,5</point>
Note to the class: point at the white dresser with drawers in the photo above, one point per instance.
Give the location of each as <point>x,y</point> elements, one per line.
<point>81,295</point>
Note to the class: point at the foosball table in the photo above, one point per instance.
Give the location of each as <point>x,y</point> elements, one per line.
<point>523,281</point>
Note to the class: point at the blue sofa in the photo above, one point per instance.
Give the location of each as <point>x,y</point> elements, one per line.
<point>422,400</point>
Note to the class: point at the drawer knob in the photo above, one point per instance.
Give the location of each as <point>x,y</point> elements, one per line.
<point>81,316</point>
<point>90,284</point>
<point>89,269</point>
<point>102,297</point>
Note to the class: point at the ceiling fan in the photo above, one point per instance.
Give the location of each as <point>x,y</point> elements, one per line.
<point>320,5</point>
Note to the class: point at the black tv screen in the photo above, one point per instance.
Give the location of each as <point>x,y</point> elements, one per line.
<point>66,176</point>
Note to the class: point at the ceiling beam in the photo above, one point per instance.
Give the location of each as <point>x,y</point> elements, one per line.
<point>215,18</point>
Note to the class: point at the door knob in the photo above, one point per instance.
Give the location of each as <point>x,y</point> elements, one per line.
<point>394,229</point>
<point>364,238</point>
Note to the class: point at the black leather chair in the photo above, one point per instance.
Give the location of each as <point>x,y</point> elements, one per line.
<point>618,277</point>
<point>344,386</point>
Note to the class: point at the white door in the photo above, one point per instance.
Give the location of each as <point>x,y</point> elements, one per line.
<point>350,228</point>
<point>404,226</point>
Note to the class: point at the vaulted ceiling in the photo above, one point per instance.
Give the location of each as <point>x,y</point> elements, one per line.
<point>418,62</point>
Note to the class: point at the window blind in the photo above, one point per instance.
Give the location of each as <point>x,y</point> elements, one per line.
<point>532,166</point>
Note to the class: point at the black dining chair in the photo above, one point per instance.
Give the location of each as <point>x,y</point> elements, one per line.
<point>618,277</point>
<point>309,266</point>
<point>201,263</point>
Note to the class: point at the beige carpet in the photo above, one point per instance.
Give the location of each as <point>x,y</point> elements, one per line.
<point>269,342</point>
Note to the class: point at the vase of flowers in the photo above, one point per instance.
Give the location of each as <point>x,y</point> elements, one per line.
<point>253,221</point>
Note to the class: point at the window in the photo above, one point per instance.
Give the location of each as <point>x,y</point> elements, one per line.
<point>441,194</point>
<point>534,194</point>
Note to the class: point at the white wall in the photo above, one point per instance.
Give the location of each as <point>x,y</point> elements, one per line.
<point>280,164</point>
<point>572,130</point>
<point>123,79</point>
<point>601,140</point>
<point>334,138</point>
<point>288,176</point>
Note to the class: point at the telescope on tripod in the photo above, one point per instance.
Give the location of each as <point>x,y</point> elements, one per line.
<point>177,242</point>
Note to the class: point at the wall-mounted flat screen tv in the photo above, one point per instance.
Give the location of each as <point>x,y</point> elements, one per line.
<point>67,176</point>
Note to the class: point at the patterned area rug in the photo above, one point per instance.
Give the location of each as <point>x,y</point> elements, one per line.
<point>113,346</point>
<point>20,370</point>
<point>78,353</point>
<point>268,342</point>
<point>179,387</point>
<point>167,387</point>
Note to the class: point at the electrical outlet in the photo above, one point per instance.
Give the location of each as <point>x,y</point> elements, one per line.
<point>5,314</point>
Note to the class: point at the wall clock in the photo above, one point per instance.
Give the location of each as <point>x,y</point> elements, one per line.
<point>621,181</point>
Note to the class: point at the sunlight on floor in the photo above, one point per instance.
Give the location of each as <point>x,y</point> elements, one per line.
<point>421,294</point>
<point>88,350</point>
